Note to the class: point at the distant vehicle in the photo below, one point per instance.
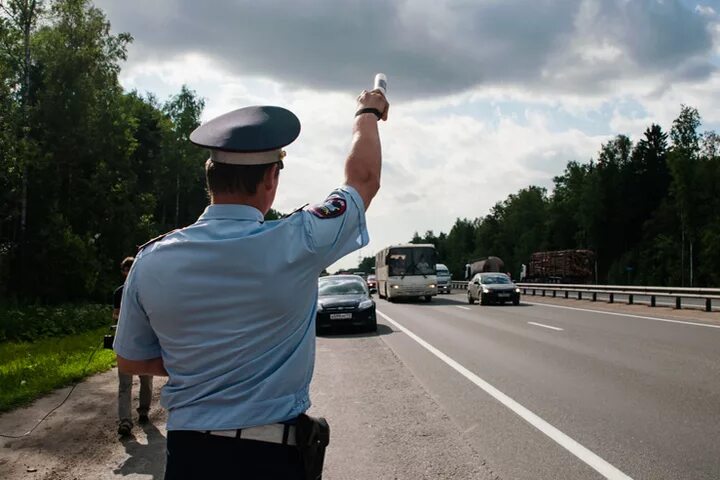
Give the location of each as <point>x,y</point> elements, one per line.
<point>443,278</point>
<point>344,300</point>
<point>561,266</point>
<point>372,283</point>
<point>406,271</point>
<point>492,288</point>
<point>489,264</point>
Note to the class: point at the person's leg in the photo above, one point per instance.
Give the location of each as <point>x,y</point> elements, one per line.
<point>192,455</point>
<point>124,403</point>
<point>146,382</point>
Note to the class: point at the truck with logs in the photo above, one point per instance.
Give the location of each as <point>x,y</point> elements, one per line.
<point>560,266</point>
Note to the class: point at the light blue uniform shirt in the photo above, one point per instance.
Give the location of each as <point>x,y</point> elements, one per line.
<point>229,303</point>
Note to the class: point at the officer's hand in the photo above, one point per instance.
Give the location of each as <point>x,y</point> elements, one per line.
<point>373,99</point>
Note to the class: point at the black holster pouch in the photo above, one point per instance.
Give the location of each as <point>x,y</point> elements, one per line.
<point>109,339</point>
<point>312,435</point>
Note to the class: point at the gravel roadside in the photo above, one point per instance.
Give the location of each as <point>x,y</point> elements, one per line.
<point>384,425</point>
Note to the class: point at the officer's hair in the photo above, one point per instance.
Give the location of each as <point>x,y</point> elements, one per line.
<point>227,178</point>
<point>127,263</point>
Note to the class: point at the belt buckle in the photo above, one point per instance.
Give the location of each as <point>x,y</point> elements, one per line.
<point>224,433</point>
<point>279,433</point>
<point>274,433</point>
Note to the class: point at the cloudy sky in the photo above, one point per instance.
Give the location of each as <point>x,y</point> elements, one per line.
<point>487,96</point>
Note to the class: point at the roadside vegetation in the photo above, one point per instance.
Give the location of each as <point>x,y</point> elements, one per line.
<point>43,348</point>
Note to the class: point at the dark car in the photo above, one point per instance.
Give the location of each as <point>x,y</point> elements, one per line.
<point>492,288</point>
<point>344,300</point>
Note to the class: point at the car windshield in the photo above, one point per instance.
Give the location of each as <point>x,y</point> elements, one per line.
<point>340,286</point>
<point>495,279</point>
<point>411,261</point>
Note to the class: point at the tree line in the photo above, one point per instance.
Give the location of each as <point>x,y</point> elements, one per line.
<point>649,209</point>
<point>87,171</point>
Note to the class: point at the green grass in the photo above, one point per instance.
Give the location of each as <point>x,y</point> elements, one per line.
<point>31,369</point>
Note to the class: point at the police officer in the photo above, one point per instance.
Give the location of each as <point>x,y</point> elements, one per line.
<point>226,307</point>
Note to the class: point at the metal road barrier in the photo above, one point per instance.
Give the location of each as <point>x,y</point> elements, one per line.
<point>458,285</point>
<point>590,292</point>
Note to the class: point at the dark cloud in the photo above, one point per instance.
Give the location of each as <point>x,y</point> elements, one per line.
<point>656,33</point>
<point>426,47</point>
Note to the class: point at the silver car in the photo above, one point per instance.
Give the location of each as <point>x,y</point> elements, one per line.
<point>492,287</point>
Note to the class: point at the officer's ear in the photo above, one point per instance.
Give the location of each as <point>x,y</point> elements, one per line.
<point>271,176</point>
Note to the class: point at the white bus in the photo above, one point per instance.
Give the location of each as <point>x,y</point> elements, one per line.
<point>406,271</point>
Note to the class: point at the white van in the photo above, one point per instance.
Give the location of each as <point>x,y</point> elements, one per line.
<point>443,278</point>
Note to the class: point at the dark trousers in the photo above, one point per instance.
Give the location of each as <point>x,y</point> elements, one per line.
<point>199,456</point>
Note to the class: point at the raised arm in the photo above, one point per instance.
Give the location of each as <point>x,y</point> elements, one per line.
<point>363,165</point>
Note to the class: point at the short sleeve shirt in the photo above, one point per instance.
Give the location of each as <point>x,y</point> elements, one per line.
<point>229,303</point>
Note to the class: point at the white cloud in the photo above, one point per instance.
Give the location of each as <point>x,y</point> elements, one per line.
<point>705,96</point>
<point>706,10</point>
<point>631,126</point>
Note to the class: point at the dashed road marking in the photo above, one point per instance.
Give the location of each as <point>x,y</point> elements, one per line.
<point>591,459</point>
<point>464,308</point>
<point>547,326</point>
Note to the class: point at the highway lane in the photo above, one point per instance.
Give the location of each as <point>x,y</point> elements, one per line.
<point>640,394</point>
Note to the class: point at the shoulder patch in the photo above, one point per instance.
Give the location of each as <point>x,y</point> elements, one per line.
<point>334,206</point>
<point>159,237</point>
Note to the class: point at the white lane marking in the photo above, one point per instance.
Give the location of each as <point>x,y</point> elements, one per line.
<point>626,315</point>
<point>572,446</point>
<point>547,326</point>
<point>464,308</point>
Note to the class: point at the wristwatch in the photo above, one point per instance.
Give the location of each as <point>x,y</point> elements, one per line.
<point>377,112</point>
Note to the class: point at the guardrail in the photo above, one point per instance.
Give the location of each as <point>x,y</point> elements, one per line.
<point>631,291</point>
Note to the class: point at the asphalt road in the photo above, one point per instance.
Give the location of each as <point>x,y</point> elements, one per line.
<point>542,392</point>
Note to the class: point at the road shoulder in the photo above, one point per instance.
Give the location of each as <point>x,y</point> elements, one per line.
<point>384,424</point>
